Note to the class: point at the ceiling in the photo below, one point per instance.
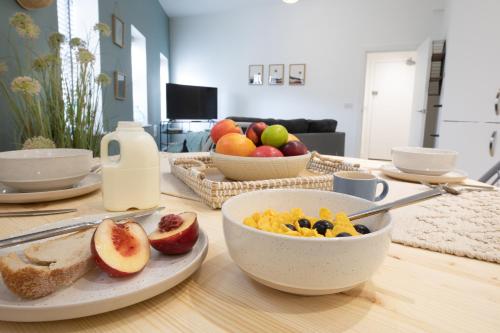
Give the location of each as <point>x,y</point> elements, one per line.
<point>178,8</point>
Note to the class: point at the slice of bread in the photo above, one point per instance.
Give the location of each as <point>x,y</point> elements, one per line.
<point>53,264</point>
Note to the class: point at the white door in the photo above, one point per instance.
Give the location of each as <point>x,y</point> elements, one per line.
<point>422,72</point>
<point>389,86</point>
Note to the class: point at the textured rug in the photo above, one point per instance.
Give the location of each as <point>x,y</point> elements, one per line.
<point>466,225</point>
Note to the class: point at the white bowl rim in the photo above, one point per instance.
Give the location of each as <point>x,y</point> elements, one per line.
<point>423,151</point>
<point>307,239</point>
<point>6,155</point>
<point>43,180</point>
<point>260,159</point>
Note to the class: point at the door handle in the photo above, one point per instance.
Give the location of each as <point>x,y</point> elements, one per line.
<point>497,111</point>
<point>493,141</point>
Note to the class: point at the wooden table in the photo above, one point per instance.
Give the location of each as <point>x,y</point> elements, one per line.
<point>414,291</point>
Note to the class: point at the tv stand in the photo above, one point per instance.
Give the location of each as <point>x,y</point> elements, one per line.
<point>173,132</point>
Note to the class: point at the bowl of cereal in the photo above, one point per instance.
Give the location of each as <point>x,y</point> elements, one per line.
<point>301,241</point>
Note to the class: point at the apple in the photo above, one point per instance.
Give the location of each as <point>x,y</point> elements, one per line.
<point>176,234</point>
<point>120,249</point>
<point>266,151</point>
<point>222,128</point>
<point>274,135</point>
<point>254,131</point>
<point>294,148</point>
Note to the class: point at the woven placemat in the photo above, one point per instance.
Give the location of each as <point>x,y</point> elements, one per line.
<point>466,225</point>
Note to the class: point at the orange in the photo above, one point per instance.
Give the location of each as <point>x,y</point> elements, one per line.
<point>292,137</point>
<point>235,144</point>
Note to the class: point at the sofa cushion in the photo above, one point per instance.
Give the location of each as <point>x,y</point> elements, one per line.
<point>292,125</point>
<point>322,126</point>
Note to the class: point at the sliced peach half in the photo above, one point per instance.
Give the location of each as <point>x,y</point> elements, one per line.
<point>176,234</point>
<point>120,249</point>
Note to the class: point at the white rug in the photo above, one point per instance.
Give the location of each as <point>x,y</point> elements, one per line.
<point>466,225</point>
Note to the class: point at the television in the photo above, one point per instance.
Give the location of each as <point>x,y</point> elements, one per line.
<point>191,102</point>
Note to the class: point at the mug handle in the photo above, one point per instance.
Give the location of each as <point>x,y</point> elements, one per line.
<point>385,189</point>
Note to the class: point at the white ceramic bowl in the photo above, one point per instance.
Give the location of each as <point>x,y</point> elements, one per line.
<point>259,168</point>
<point>44,169</point>
<point>424,161</point>
<point>300,265</point>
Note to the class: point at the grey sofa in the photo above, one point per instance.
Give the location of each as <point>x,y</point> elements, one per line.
<point>317,135</point>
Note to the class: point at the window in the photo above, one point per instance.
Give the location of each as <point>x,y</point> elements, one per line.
<point>76,18</point>
<point>164,79</point>
<point>139,76</point>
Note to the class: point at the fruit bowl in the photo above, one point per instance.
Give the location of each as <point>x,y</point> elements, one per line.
<point>303,265</point>
<point>259,168</point>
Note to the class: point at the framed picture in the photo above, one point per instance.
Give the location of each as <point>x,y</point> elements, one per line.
<point>276,74</point>
<point>118,28</point>
<point>120,83</point>
<point>297,74</point>
<point>255,74</point>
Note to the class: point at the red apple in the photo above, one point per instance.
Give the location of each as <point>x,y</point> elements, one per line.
<point>294,148</point>
<point>120,249</point>
<point>266,151</point>
<point>254,131</point>
<point>224,127</point>
<point>176,234</point>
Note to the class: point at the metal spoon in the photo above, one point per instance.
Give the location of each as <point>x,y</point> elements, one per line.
<point>398,203</point>
<point>445,187</point>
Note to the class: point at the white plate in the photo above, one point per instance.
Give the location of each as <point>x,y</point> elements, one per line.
<point>96,292</point>
<point>88,184</point>
<point>455,176</point>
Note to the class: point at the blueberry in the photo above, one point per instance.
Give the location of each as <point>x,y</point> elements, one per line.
<point>362,229</point>
<point>291,227</point>
<point>344,234</point>
<point>322,225</point>
<point>304,223</point>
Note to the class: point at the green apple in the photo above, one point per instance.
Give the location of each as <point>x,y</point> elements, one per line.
<point>275,135</point>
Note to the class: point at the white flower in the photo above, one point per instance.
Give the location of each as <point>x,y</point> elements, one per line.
<point>24,25</point>
<point>38,142</point>
<point>55,40</point>
<point>76,42</point>
<point>25,84</point>
<point>85,56</point>
<point>103,79</point>
<point>103,28</point>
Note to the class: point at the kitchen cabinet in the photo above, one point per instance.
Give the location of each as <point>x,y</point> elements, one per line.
<point>470,114</point>
<point>478,145</point>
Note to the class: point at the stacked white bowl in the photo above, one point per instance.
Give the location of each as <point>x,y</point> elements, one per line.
<point>424,161</point>
<point>35,170</point>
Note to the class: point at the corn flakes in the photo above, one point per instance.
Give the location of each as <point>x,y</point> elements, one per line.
<point>287,223</point>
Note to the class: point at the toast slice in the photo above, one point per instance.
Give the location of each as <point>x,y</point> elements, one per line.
<point>52,265</point>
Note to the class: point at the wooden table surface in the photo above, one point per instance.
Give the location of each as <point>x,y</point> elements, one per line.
<point>414,291</point>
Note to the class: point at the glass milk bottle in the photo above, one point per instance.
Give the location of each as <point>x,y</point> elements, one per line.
<point>133,179</point>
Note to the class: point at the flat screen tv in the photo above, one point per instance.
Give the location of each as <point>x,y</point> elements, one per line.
<point>191,102</point>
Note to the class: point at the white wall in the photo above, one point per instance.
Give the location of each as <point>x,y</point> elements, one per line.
<point>330,36</point>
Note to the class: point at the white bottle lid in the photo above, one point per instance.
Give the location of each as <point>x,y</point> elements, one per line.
<point>129,125</point>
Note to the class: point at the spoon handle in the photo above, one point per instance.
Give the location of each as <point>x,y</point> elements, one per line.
<point>396,204</point>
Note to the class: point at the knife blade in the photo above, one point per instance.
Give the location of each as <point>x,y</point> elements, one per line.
<point>37,212</point>
<point>7,242</point>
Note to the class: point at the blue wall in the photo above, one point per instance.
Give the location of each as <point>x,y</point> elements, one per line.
<point>150,19</point>
<point>146,15</point>
<point>46,18</point>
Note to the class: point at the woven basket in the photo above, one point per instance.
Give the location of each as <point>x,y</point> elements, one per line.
<point>192,171</point>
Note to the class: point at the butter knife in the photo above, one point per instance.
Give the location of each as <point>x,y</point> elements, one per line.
<point>37,212</point>
<point>7,242</point>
